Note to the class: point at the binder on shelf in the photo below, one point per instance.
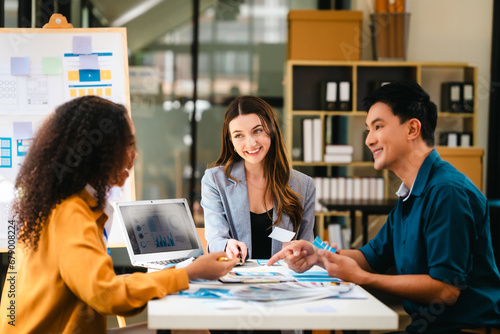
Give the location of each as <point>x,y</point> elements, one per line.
<point>326,188</point>
<point>357,188</point>
<point>380,188</point>
<point>341,185</point>
<point>317,139</point>
<point>452,139</point>
<point>318,183</point>
<point>336,135</point>
<point>329,93</point>
<point>349,188</point>
<point>329,130</point>
<point>335,235</point>
<point>307,140</point>
<point>451,97</point>
<point>334,195</point>
<point>365,188</point>
<point>345,103</point>
<point>456,139</point>
<point>449,139</point>
<point>372,188</point>
<point>466,139</point>
<point>468,97</point>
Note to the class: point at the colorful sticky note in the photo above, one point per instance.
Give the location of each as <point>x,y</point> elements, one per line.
<point>73,76</point>
<point>98,92</point>
<point>22,130</point>
<point>89,62</point>
<point>51,65</point>
<point>107,91</point>
<point>19,65</point>
<point>106,75</point>
<point>72,92</point>
<point>82,45</point>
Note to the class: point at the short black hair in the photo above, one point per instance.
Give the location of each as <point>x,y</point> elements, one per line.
<point>407,100</point>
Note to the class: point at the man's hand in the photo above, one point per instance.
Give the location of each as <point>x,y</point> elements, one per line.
<point>208,267</point>
<point>299,255</point>
<point>343,267</point>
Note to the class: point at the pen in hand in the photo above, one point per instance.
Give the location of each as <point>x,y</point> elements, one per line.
<point>240,257</point>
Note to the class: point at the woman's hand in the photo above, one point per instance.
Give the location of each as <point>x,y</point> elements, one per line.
<point>299,255</point>
<point>236,249</point>
<point>209,267</point>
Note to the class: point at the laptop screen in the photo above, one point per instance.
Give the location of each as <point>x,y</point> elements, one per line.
<point>159,226</point>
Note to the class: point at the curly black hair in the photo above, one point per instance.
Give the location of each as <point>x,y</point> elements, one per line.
<point>84,141</point>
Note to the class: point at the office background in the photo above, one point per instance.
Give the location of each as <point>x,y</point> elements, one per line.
<point>241,50</point>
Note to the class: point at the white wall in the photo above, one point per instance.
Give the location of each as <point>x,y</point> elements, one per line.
<point>448,31</point>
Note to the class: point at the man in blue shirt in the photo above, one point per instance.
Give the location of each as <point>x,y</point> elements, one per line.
<point>438,235</point>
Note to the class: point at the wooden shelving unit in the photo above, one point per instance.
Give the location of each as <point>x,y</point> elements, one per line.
<point>303,100</point>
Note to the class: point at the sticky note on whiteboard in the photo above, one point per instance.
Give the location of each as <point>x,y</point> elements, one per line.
<point>89,62</point>
<point>82,45</point>
<point>19,66</point>
<point>51,65</point>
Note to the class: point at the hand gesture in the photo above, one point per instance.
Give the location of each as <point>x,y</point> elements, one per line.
<point>208,267</point>
<point>340,266</point>
<point>236,249</point>
<point>299,255</point>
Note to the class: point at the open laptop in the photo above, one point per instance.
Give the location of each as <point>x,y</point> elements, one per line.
<point>159,232</point>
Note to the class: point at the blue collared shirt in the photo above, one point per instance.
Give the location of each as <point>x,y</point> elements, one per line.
<point>442,229</point>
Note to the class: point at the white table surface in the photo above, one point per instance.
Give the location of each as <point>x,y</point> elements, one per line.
<point>181,312</point>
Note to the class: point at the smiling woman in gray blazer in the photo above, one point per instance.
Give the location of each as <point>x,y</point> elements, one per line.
<point>250,189</point>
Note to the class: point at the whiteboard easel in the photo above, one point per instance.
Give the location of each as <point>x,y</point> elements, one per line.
<point>40,70</point>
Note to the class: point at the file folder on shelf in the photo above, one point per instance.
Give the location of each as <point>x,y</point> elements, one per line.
<point>329,92</point>
<point>307,140</point>
<point>345,96</point>
<point>468,97</point>
<point>451,93</point>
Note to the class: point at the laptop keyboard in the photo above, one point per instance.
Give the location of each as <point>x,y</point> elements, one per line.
<point>165,262</point>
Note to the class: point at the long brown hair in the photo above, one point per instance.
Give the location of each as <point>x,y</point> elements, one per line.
<point>276,164</point>
<point>83,141</point>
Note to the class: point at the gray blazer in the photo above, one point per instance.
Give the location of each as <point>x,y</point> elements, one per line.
<point>227,212</point>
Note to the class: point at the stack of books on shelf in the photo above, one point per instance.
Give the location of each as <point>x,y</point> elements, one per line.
<point>312,144</point>
<point>348,188</point>
<point>339,154</point>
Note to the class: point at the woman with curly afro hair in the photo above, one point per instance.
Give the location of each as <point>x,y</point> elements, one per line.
<point>65,282</point>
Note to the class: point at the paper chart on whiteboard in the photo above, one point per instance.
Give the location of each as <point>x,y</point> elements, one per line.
<point>89,81</point>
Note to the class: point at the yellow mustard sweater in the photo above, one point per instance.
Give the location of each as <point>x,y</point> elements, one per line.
<point>68,284</point>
